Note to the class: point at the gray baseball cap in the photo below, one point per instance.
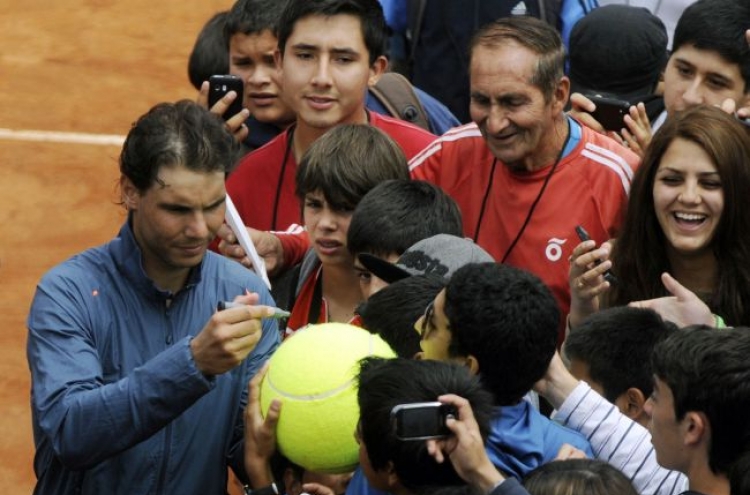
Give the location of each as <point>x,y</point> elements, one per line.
<point>440,254</point>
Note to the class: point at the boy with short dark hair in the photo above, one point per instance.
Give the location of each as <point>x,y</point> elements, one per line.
<point>330,52</point>
<point>501,322</point>
<point>394,216</point>
<point>611,351</point>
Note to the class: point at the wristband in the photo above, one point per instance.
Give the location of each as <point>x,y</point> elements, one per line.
<point>266,490</point>
<point>719,322</point>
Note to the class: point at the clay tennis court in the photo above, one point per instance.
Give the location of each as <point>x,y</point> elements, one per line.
<point>71,66</point>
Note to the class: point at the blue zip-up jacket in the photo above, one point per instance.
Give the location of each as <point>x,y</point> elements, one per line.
<point>118,405</point>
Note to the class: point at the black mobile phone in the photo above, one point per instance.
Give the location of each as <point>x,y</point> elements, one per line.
<point>584,236</point>
<point>219,86</point>
<point>610,112</point>
<point>421,420</point>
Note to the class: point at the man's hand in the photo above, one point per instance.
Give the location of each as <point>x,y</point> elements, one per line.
<point>557,383</point>
<point>267,244</point>
<point>683,307</point>
<point>229,336</point>
<point>235,125</point>
<point>465,447</point>
<point>260,434</point>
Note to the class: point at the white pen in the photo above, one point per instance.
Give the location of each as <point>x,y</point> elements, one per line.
<point>278,313</point>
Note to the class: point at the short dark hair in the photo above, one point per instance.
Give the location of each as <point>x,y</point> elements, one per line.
<point>385,383</point>
<point>170,134</point>
<point>254,17</point>
<point>397,214</point>
<point>718,26</point>
<point>210,54</point>
<point>508,320</point>
<point>392,311</point>
<point>616,344</point>
<point>708,371</point>
<point>579,476</point>
<point>369,13</point>
<point>535,35</point>
<point>347,162</point>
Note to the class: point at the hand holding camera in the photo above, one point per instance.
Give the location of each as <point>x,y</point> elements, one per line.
<point>464,446</point>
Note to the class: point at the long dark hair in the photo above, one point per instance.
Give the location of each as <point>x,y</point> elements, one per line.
<point>640,253</point>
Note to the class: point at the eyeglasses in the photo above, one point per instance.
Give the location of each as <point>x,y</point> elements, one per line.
<point>429,311</point>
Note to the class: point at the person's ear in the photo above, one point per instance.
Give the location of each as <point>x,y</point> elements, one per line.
<point>696,428</point>
<point>392,478</point>
<point>632,401</point>
<point>561,94</point>
<point>377,69</point>
<point>130,193</point>
<point>472,363</point>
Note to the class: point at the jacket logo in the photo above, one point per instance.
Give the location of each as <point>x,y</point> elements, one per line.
<point>554,249</point>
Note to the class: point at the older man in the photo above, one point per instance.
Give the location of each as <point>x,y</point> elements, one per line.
<point>524,174</point>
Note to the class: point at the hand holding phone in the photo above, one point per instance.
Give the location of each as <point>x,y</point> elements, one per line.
<point>219,86</point>
<point>584,236</point>
<point>422,420</point>
<point>610,112</point>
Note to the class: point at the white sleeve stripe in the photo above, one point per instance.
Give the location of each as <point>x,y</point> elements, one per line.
<point>612,156</point>
<point>466,131</point>
<point>593,432</point>
<point>624,179</point>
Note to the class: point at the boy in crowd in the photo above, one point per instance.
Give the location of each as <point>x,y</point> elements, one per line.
<point>611,351</point>
<point>709,65</point>
<point>329,52</point>
<point>394,216</point>
<point>501,323</point>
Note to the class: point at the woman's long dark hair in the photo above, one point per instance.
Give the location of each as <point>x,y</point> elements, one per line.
<point>640,252</point>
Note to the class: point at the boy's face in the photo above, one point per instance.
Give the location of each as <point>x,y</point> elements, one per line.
<point>326,71</point>
<point>701,77</point>
<point>327,227</point>
<point>433,328</point>
<point>667,432</point>
<point>251,58</point>
<point>369,284</point>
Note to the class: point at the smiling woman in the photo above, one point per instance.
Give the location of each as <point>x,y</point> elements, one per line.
<point>686,216</point>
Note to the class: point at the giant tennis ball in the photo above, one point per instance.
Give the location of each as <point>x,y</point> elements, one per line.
<point>313,373</point>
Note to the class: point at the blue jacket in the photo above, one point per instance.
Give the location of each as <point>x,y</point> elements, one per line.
<point>522,439</point>
<point>118,404</point>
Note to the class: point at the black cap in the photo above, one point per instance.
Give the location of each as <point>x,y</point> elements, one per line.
<point>617,51</point>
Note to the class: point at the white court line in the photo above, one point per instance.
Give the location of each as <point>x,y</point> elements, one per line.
<point>63,137</point>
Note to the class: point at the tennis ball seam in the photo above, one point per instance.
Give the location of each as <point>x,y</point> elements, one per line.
<point>305,397</point>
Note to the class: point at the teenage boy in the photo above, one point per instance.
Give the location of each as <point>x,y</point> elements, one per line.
<point>611,351</point>
<point>709,65</point>
<point>699,425</point>
<point>501,322</point>
<point>329,52</point>
<point>394,216</point>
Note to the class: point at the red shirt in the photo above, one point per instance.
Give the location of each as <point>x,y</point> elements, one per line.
<point>589,188</point>
<point>262,185</point>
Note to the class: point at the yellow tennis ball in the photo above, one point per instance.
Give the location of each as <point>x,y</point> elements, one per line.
<point>313,373</point>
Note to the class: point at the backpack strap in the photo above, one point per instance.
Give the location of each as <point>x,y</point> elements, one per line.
<point>397,95</point>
